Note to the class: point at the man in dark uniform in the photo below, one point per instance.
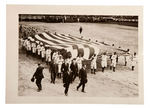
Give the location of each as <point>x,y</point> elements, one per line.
<point>53,72</point>
<point>66,81</point>
<point>64,68</point>
<point>66,76</point>
<point>82,77</point>
<point>80,29</point>
<point>74,69</point>
<point>38,75</point>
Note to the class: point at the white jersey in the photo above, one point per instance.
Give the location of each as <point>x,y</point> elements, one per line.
<point>48,55</point>
<point>25,43</point>
<point>54,56</point>
<point>33,45</point>
<point>127,56</point>
<point>134,60</point>
<point>104,58</point>
<point>104,61</point>
<point>79,60</point>
<point>60,62</point>
<point>28,46</point>
<point>56,59</point>
<point>93,62</point>
<point>48,52</point>
<point>113,58</point>
<point>39,49</point>
<point>42,52</point>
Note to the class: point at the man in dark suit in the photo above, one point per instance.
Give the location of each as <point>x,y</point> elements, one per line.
<point>64,68</point>
<point>66,81</point>
<point>82,77</point>
<point>38,75</point>
<point>74,69</point>
<point>53,71</point>
<point>66,76</point>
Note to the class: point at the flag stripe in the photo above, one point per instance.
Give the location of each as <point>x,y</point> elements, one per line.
<point>58,37</point>
<point>72,44</point>
<point>48,42</point>
<point>51,46</point>
<point>54,41</point>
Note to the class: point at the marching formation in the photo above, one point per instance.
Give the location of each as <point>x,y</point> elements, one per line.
<point>63,66</point>
<point>59,67</point>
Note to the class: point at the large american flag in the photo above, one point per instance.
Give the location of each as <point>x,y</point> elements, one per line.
<point>70,43</point>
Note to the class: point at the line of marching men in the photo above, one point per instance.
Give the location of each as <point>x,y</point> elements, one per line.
<point>68,68</point>
<point>58,66</point>
<point>44,52</point>
<point>129,59</point>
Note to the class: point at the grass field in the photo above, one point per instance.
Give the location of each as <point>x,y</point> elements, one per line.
<point>124,36</point>
<point>122,83</point>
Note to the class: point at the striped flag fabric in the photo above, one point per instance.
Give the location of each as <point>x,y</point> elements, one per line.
<point>72,44</point>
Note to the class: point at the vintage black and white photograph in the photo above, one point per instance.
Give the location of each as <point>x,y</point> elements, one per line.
<point>74,54</point>
<point>78,55</point>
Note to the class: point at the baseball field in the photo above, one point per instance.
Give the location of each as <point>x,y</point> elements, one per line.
<point>122,83</point>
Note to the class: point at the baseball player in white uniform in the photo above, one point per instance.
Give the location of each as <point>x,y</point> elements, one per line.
<point>39,50</point>
<point>127,56</point>
<point>55,57</point>
<point>33,45</point>
<point>48,55</point>
<point>60,62</point>
<point>113,59</point>
<point>104,61</point>
<point>28,44</point>
<point>55,54</point>
<point>42,53</point>
<point>79,62</point>
<point>93,64</point>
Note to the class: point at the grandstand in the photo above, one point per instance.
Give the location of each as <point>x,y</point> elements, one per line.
<point>124,20</point>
